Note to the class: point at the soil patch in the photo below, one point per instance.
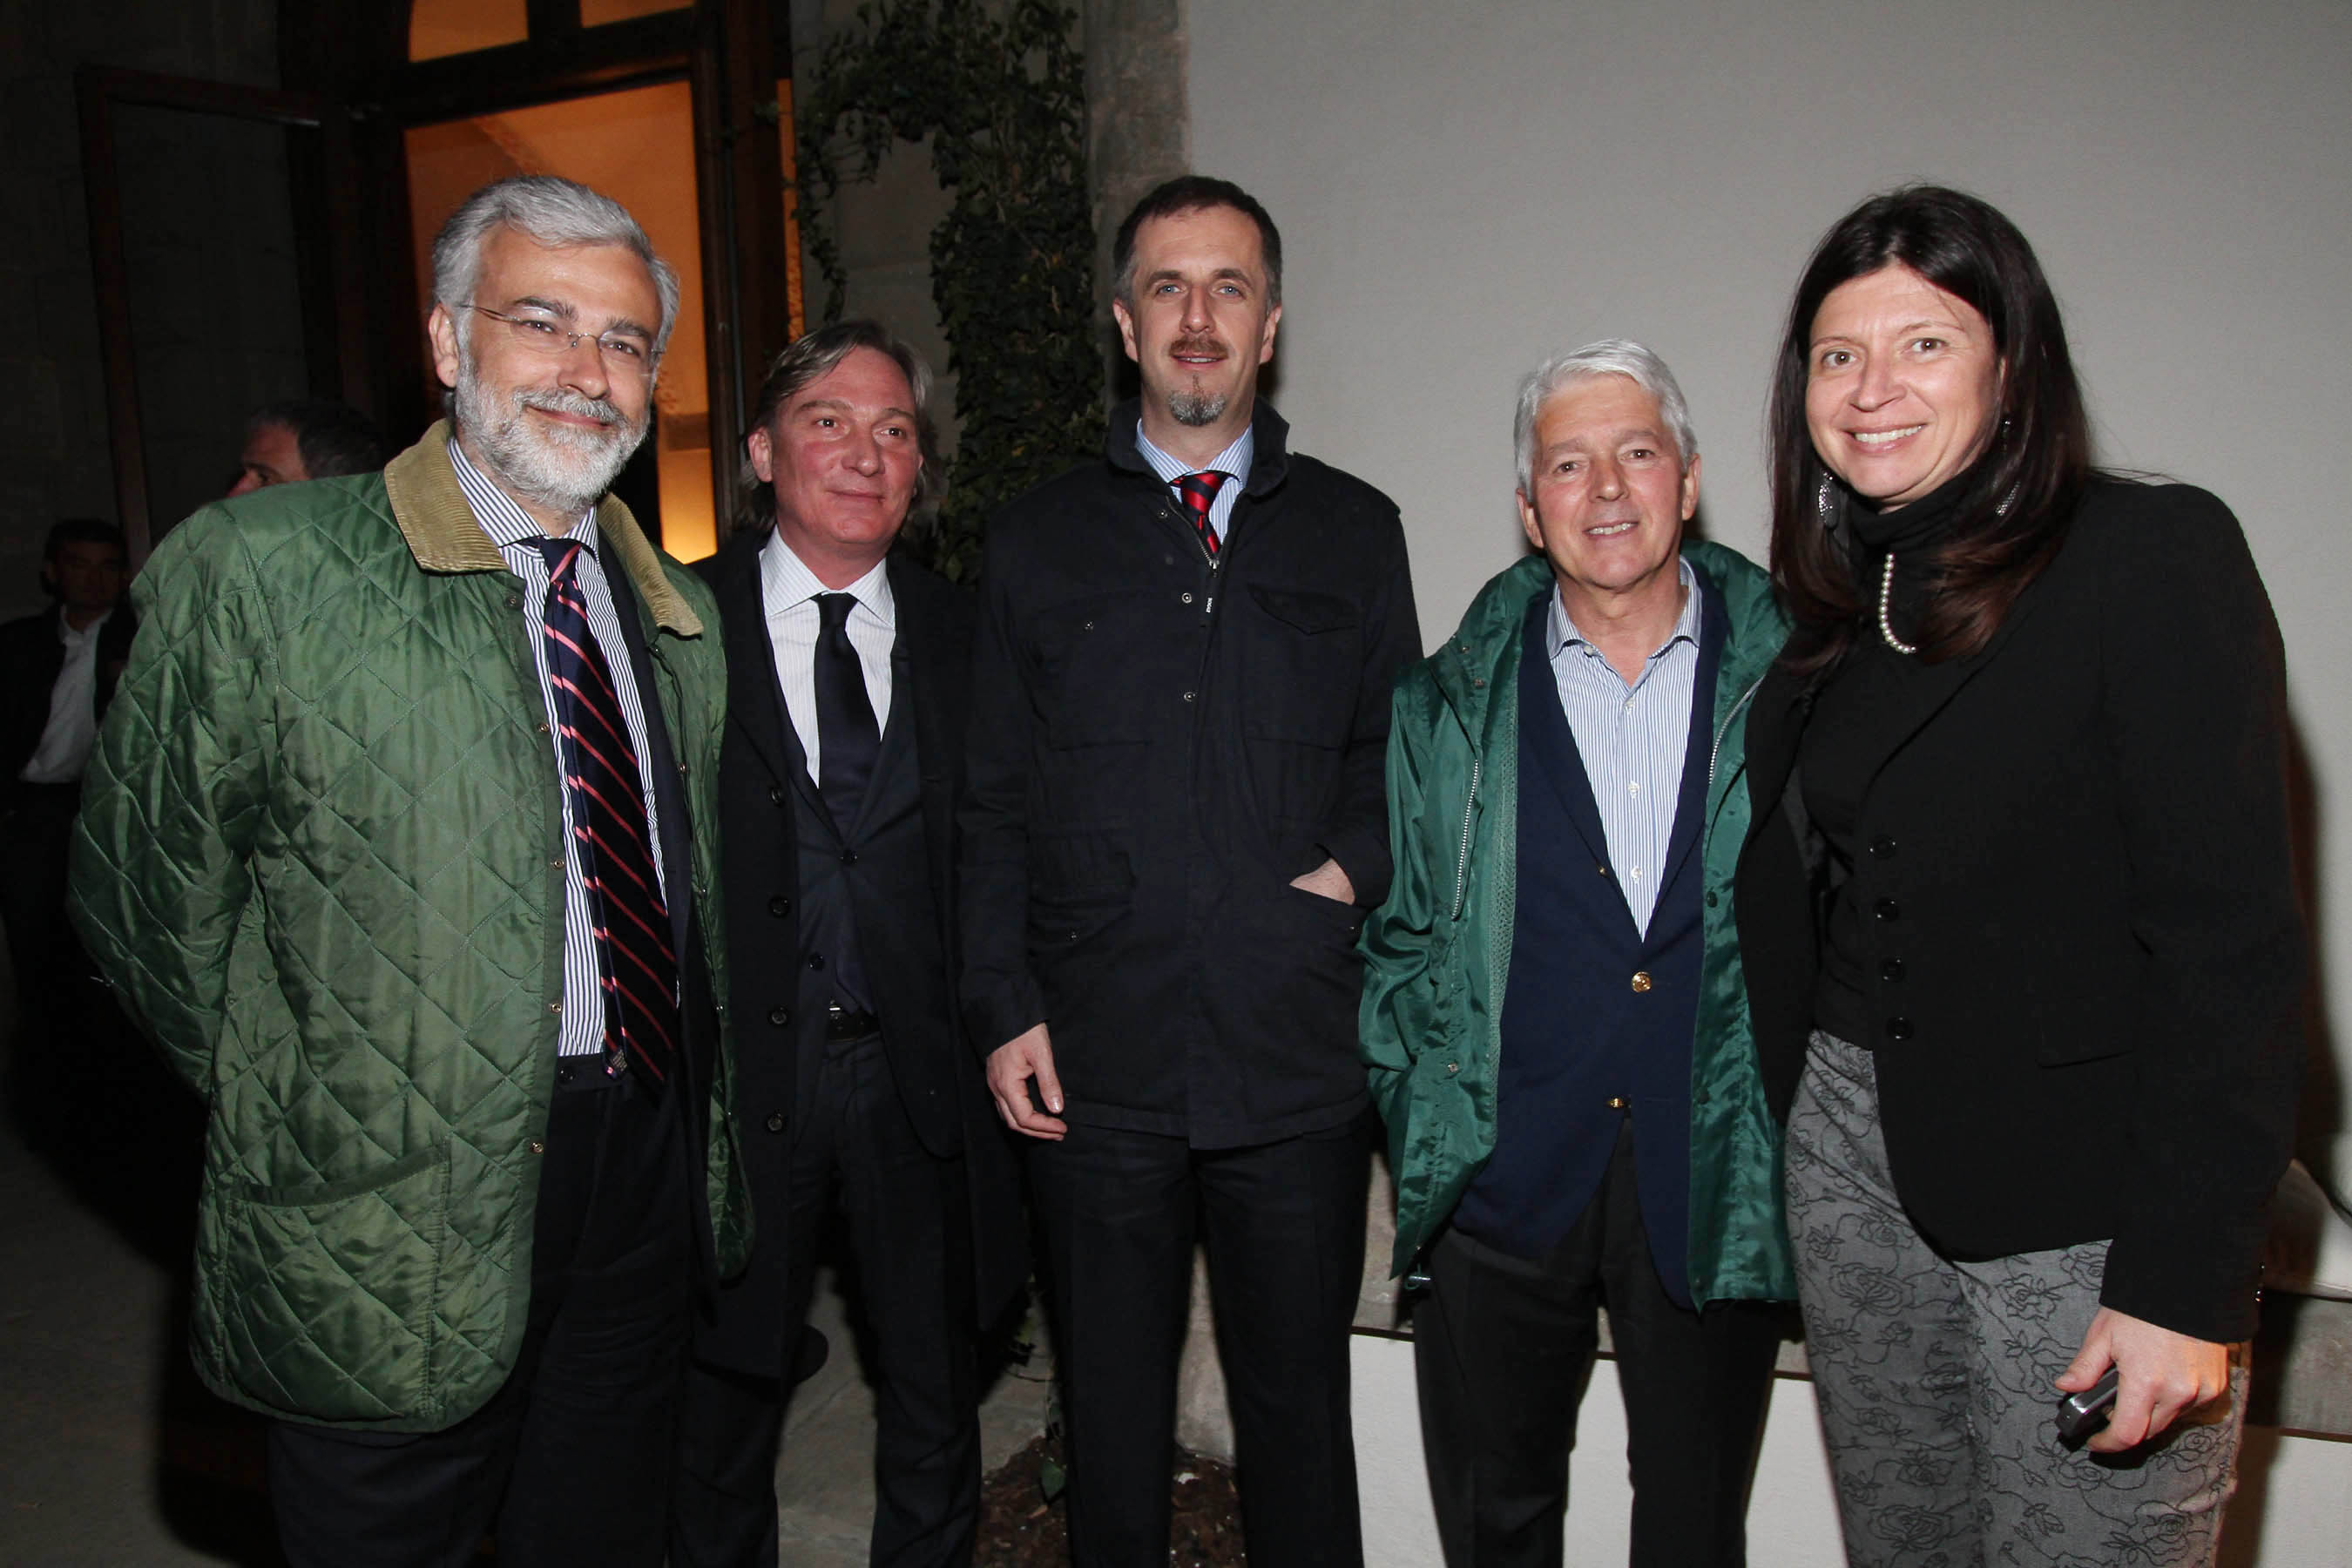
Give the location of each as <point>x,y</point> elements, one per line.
<point>1019,1528</point>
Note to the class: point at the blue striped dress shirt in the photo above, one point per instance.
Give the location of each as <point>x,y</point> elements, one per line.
<point>1233,462</point>
<point>513,530</point>
<point>1633,737</point>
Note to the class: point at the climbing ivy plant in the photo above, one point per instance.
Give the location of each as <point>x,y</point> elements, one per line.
<point>999,94</point>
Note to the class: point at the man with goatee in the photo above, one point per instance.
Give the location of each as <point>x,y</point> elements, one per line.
<point>1174,826</point>
<point>398,840</point>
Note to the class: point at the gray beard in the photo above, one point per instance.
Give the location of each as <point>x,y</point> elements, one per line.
<point>562,469</point>
<point>1197,408</point>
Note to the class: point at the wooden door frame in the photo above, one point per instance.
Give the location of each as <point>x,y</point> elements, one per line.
<point>336,344</point>
<point>731,53</point>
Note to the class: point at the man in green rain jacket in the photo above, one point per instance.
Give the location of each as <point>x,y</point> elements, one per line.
<point>468,1146</point>
<point>1554,1013</point>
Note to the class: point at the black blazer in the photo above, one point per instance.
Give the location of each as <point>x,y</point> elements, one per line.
<point>764,783</point>
<point>30,658</point>
<point>2085,946</point>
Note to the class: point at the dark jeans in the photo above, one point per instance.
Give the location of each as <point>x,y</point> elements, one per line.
<point>1284,1224</point>
<point>570,1458</point>
<point>1502,1348</point>
<point>909,1237</point>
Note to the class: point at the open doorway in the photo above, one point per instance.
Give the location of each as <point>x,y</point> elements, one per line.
<point>638,147</point>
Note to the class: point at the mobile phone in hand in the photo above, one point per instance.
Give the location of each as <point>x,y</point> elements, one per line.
<point>2081,1415</point>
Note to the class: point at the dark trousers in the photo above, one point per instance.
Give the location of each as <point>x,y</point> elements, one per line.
<point>36,835</point>
<point>910,1237</point>
<point>570,1458</point>
<point>1284,1224</point>
<point>1502,1348</point>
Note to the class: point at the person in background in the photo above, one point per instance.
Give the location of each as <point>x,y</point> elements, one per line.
<point>2022,952</point>
<point>401,840</point>
<point>58,673</point>
<point>1568,793</point>
<point>1173,824</point>
<point>306,438</point>
<point>847,668</point>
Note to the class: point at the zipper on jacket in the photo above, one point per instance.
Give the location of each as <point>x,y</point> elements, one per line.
<point>1462,861</point>
<point>1728,719</point>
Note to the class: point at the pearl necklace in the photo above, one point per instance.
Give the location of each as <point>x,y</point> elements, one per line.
<point>1886,621</point>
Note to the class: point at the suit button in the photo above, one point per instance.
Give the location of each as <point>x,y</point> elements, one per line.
<point>775,794</point>
<point>1882,849</point>
<point>780,906</point>
<point>816,961</point>
<point>1640,980</point>
<point>514,601</point>
<point>775,1122</point>
<point>1899,1028</point>
<point>1602,869</point>
<point>779,1016</point>
<point>1619,1103</point>
<point>1887,910</point>
<point>849,856</point>
<point>1890,969</point>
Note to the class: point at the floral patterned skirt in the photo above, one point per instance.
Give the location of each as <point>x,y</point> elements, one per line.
<point>1934,1377</point>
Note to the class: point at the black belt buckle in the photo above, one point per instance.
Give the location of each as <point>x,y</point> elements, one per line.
<point>843,1024</point>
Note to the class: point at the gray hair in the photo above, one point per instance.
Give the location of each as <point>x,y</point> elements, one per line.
<point>1610,356</point>
<point>809,359</point>
<point>548,211</point>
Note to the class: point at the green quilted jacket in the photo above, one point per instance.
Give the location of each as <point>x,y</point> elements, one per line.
<point>319,856</point>
<point>1436,954</point>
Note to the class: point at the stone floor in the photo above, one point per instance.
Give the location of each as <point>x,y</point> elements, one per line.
<point>110,1454</point>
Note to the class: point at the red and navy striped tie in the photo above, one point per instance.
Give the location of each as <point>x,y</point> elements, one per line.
<point>637,962</point>
<point>1199,492</point>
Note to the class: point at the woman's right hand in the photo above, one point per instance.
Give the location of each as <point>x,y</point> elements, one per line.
<point>2161,1375</point>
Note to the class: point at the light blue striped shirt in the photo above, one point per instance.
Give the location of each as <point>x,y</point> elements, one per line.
<point>511,530</point>
<point>1233,462</point>
<point>1632,739</point>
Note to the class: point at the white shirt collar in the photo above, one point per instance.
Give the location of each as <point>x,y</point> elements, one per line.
<point>785,581</point>
<point>1563,633</point>
<point>1233,462</point>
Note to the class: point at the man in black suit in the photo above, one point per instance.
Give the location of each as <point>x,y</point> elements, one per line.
<point>57,671</point>
<point>847,670</point>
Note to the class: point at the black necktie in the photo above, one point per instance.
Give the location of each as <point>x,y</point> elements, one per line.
<point>636,961</point>
<point>847,739</point>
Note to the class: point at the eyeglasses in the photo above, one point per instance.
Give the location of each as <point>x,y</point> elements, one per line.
<point>625,350</point>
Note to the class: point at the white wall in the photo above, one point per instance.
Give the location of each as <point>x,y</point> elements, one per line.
<point>1464,188</point>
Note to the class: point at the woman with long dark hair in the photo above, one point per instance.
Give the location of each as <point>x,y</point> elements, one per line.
<point>2022,947</point>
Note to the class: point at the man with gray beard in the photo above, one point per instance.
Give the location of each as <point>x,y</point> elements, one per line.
<point>399,840</point>
<point>1173,826</point>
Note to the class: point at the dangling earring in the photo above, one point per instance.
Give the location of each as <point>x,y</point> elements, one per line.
<point>1825,502</point>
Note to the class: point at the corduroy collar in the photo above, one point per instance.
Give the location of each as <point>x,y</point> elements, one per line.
<point>439,526</point>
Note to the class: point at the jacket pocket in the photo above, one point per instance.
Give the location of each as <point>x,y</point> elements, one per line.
<point>330,1311</point>
<point>1305,665</point>
<point>1095,657</point>
<point>1079,883</point>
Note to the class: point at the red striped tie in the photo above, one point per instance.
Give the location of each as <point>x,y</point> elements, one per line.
<point>635,960</point>
<point>1200,491</point>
